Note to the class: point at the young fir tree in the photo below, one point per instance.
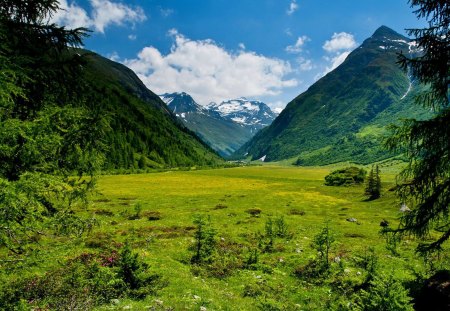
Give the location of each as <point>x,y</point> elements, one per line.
<point>373,188</point>
<point>49,131</point>
<point>425,182</point>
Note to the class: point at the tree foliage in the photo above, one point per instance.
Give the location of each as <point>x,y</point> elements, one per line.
<point>345,177</point>
<point>425,182</point>
<point>373,187</point>
<point>49,131</point>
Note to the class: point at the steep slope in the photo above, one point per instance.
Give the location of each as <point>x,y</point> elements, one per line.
<point>143,131</point>
<point>251,114</point>
<point>224,136</point>
<point>343,115</point>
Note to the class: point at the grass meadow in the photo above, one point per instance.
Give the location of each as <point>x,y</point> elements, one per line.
<point>154,213</point>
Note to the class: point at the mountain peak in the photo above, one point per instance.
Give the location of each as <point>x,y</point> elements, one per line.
<point>385,32</point>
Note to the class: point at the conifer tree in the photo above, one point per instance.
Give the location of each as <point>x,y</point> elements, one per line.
<point>49,130</point>
<point>425,182</point>
<point>373,188</point>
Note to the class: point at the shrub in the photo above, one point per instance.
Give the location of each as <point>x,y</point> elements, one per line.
<point>384,294</point>
<point>345,177</point>
<point>205,243</point>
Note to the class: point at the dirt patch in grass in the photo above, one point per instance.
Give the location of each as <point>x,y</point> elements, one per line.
<point>103,212</point>
<point>354,235</point>
<point>294,211</point>
<point>219,206</point>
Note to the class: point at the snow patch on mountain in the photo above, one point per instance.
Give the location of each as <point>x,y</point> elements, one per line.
<point>246,112</point>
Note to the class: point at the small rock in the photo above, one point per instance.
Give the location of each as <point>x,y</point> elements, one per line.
<point>298,250</point>
<point>197,297</point>
<point>280,260</point>
<point>358,273</point>
<point>159,302</point>
<point>115,301</point>
<point>404,208</point>
<point>346,270</point>
<point>258,276</point>
<point>126,308</point>
<point>352,219</point>
<point>337,259</point>
<point>202,308</point>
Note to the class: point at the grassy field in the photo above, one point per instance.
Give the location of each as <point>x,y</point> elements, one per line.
<point>154,213</point>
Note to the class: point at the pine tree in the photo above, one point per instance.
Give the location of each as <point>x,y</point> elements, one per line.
<point>373,188</point>
<point>49,130</point>
<point>425,182</point>
<point>377,190</point>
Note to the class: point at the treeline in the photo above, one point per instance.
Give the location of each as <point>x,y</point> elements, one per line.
<point>143,134</point>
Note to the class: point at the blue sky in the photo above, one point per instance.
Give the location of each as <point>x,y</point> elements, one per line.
<point>270,50</point>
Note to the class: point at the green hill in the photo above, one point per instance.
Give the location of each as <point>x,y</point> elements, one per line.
<point>143,131</point>
<point>343,116</point>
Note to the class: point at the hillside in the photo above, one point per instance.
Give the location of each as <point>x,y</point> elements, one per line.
<point>225,127</point>
<point>343,116</point>
<point>222,135</point>
<point>143,132</point>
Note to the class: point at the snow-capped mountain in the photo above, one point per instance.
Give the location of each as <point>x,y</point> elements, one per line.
<point>181,103</point>
<point>223,135</point>
<point>252,114</point>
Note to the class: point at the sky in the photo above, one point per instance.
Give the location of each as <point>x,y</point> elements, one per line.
<point>215,50</point>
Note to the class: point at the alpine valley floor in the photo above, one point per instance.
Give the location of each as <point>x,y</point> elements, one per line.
<point>162,233</point>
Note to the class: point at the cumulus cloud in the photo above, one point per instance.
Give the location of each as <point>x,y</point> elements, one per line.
<point>305,64</point>
<point>298,46</point>
<point>338,48</point>
<point>293,6</point>
<point>132,37</point>
<point>277,106</point>
<point>335,61</point>
<point>103,14</point>
<point>209,72</point>
<point>340,41</point>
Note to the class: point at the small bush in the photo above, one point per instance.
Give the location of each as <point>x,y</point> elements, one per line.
<point>205,242</point>
<point>346,177</point>
<point>137,212</point>
<point>384,293</point>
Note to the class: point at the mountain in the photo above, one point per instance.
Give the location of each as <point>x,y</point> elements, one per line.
<point>343,116</point>
<point>223,135</point>
<point>251,114</point>
<point>144,133</point>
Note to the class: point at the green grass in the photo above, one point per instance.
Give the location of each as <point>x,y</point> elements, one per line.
<point>224,195</point>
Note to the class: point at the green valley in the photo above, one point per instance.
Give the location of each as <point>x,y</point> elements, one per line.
<point>163,234</point>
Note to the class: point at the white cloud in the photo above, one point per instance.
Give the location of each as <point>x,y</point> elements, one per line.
<point>293,6</point>
<point>71,15</point>
<point>241,46</point>
<point>340,41</point>
<point>305,64</point>
<point>114,56</point>
<point>338,48</point>
<point>336,61</point>
<point>103,14</point>
<point>209,72</point>
<point>298,46</point>
<point>277,106</point>
<point>132,37</point>
<point>166,12</point>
